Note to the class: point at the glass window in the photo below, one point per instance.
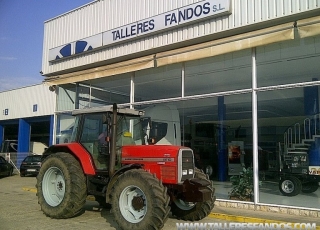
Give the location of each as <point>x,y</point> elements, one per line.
<point>92,127</point>
<point>289,62</point>
<point>83,99</point>
<point>288,125</point>
<point>129,130</point>
<point>66,97</point>
<point>209,126</point>
<point>218,74</point>
<point>158,83</point>
<point>109,90</point>
<point>64,128</point>
<point>97,92</point>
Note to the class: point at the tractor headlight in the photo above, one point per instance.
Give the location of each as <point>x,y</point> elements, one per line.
<point>190,171</point>
<point>184,172</point>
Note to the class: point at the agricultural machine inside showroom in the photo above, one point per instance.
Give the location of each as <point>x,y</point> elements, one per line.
<point>299,159</point>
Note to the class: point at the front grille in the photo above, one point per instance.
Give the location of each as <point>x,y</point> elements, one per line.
<point>168,172</point>
<point>187,164</point>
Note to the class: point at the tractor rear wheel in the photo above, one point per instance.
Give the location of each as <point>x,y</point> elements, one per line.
<point>139,201</point>
<point>194,211</point>
<point>61,186</point>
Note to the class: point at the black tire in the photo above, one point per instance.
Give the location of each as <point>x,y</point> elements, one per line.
<point>290,186</point>
<point>194,211</point>
<point>139,201</point>
<point>310,187</point>
<point>65,197</point>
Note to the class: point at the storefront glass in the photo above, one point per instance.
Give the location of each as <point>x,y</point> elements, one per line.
<point>288,123</point>
<point>293,61</point>
<point>217,129</point>
<point>284,165</point>
<point>83,96</point>
<point>66,97</point>
<point>158,83</point>
<point>218,74</point>
<point>109,90</point>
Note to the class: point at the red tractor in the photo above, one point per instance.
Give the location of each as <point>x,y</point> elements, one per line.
<point>108,158</point>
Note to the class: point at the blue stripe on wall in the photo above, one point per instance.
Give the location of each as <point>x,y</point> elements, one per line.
<point>23,140</point>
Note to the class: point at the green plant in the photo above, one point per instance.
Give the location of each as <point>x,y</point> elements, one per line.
<point>242,185</point>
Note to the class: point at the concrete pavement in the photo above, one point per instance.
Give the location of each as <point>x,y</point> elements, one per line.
<point>17,197</point>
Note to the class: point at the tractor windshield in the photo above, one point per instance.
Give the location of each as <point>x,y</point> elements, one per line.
<point>129,130</point>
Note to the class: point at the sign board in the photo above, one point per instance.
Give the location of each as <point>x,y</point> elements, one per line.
<point>314,170</point>
<point>199,11</point>
<point>235,157</point>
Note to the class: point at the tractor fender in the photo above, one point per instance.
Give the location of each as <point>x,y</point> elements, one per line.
<point>78,151</point>
<point>115,176</point>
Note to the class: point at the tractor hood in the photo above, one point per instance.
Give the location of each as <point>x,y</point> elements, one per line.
<point>165,161</point>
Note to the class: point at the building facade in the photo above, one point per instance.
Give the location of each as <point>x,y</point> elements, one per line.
<point>243,75</point>
<point>26,121</point>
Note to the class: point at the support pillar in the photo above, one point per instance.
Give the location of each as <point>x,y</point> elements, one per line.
<point>311,107</point>
<point>24,134</point>
<point>311,100</point>
<point>222,150</point>
<point>76,101</point>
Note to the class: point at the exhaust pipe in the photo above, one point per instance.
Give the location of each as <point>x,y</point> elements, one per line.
<point>113,141</point>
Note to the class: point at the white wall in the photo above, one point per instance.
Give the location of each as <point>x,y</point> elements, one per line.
<point>19,103</point>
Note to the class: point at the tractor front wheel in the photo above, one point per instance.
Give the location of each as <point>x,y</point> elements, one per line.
<point>139,201</point>
<point>194,211</point>
<point>61,186</point>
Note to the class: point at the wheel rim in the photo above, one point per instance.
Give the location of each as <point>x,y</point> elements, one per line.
<point>133,204</point>
<point>184,205</point>
<point>209,170</point>
<point>287,186</point>
<point>53,186</point>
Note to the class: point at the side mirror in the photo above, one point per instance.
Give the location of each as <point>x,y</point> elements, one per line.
<point>151,141</point>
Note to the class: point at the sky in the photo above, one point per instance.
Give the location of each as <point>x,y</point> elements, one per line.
<point>21,38</point>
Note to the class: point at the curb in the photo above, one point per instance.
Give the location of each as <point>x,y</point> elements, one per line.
<point>243,219</point>
<point>226,217</point>
<point>246,219</point>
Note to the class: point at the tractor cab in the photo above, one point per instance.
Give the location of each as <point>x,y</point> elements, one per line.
<point>93,130</point>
